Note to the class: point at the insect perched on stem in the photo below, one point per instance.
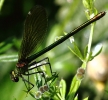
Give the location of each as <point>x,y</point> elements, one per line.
<point>35,28</point>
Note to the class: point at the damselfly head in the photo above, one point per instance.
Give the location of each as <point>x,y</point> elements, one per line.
<point>14,76</point>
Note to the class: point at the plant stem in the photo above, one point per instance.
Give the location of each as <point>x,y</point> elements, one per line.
<point>90,42</point>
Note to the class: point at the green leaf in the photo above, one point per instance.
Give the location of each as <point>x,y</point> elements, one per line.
<point>76,51</point>
<point>73,88</point>
<point>86,98</point>
<point>89,5</point>
<point>100,50</point>
<point>5,46</point>
<point>76,97</point>
<point>8,58</point>
<point>62,89</point>
<point>92,56</point>
<point>86,4</point>
<point>1,4</point>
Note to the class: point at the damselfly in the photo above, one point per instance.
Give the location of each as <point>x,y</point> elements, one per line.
<point>34,33</point>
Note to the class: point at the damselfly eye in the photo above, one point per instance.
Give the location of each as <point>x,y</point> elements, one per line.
<point>14,77</point>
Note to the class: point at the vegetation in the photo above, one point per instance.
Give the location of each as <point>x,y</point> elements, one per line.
<point>65,59</point>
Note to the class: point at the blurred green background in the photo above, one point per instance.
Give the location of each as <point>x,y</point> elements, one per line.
<point>63,16</point>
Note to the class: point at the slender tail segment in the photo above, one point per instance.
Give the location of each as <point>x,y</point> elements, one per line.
<point>98,16</point>
<point>95,18</point>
